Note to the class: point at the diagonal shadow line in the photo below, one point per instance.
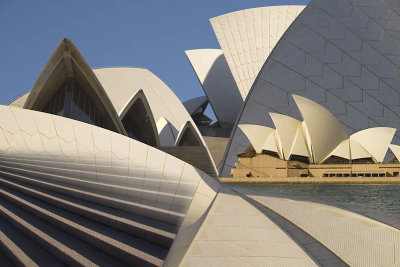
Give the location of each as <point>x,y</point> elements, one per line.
<point>319,253</point>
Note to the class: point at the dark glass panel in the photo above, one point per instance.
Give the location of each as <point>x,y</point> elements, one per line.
<point>189,138</point>
<point>301,159</point>
<point>138,125</point>
<point>71,101</point>
<point>336,160</point>
<point>56,103</point>
<point>363,161</point>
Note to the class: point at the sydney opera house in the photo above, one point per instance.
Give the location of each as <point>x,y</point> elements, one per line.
<point>108,167</point>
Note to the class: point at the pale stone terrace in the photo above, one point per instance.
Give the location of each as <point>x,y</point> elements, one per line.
<point>356,239</point>
<point>236,233</point>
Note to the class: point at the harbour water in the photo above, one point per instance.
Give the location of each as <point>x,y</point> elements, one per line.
<point>378,202</point>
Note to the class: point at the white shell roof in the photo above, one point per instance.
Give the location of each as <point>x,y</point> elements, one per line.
<point>290,134</point>
<point>257,135</point>
<point>54,140</point>
<point>357,151</point>
<point>166,132</point>
<point>342,56</point>
<point>326,133</point>
<point>122,84</point>
<point>342,150</point>
<point>217,81</point>
<point>375,140</point>
<point>248,36</point>
<point>20,101</point>
<point>270,144</point>
<point>319,134</point>
<point>396,150</point>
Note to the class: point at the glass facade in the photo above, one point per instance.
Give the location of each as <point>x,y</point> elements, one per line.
<point>71,101</point>
<point>189,138</point>
<point>137,123</point>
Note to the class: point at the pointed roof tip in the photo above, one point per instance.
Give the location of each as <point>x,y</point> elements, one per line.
<point>301,98</point>
<point>280,115</point>
<point>375,140</point>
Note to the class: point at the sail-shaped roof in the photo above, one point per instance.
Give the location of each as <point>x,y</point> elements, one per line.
<point>341,54</point>
<point>65,66</point>
<point>326,133</point>
<point>217,81</point>
<point>257,135</point>
<point>375,140</point>
<point>290,134</point>
<point>248,36</point>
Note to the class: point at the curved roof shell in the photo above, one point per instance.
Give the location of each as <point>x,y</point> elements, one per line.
<point>396,150</point>
<point>341,54</point>
<point>217,81</point>
<point>290,134</point>
<point>20,101</point>
<point>248,36</point>
<point>326,133</point>
<point>65,63</point>
<point>122,84</point>
<point>375,141</point>
<point>257,135</point>
<point>196,105</point>
<point>136,179</point>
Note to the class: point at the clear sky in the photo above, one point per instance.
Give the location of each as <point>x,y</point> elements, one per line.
<point>142,33</point>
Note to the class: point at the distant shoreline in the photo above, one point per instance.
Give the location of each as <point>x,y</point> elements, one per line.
<point>312,180</point>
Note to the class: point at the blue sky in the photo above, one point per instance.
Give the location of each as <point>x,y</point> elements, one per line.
<point>150,34</point>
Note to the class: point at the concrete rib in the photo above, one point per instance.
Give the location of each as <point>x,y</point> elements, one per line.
<point>168,216</point>
<point>64,253</point>
<point>122,251</point>
<point>141,230</point>
<point>14,252</point>
<point>78,169</point>
<point>103,186</point>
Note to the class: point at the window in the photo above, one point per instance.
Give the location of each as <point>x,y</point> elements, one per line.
<point>189,138</point>
<point>138,124</point>
<point>72,101</point>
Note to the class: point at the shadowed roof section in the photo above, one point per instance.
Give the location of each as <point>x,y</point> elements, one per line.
<point>217,81</point>
<point>196,105</point>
